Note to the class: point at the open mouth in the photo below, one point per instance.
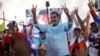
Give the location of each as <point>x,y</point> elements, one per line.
<point>53,20</point>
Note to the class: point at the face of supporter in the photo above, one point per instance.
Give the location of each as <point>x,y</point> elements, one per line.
<point>42,35</point>
<point>12,29</point>
<point>94,29</point>
<point>54,19</point>
<point>77,33</point>
<point>15,29</point>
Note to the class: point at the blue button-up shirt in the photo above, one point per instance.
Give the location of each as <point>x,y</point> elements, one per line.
<point>56,38</point>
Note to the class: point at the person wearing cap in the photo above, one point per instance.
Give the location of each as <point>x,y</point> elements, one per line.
<point>56,37</point>
<point>2,46</point>
<point>93,39</point>
<point>77,43</point>
<point>96,19</point>
<point>19,41</point>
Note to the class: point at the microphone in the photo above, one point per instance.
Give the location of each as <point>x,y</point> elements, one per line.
<point>47,4</point>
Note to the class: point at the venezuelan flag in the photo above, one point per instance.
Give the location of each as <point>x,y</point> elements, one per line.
<point>94,15</point>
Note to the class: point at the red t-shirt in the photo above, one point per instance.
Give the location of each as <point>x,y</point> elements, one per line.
<point>7,39</point>
<point>18,37</point>
<point>20,44</point>
<point>19,34</point>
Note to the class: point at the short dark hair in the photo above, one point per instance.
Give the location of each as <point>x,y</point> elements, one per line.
<point>54,12</point>
<point>41,32</point>
<point>93,24</point>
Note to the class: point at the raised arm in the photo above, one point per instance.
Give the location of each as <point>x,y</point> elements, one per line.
<point>74,19</point>
<point>40,27</point>
<point>79,19</point>
<point>68,25</point>
<point>86,26</point>
<point>76,22</point>
<point>34,14</point>
<point>93,13</point>
<point>70,18</point>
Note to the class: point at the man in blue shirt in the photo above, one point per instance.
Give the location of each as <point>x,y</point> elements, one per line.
<point>56,39</point>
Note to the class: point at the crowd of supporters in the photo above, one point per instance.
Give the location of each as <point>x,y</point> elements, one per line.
<point>56,38</point>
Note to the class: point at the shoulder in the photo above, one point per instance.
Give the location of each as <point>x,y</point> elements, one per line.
<point>20,34</point>
<point>67,23</point>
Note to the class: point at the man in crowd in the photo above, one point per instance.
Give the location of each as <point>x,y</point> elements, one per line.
<point>57,44</point>
<point>19,41</point>
<point>77,45</point>
<point>96,19</point>
<point>93,39</point>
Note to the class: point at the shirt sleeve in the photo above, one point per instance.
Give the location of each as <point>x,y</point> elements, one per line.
<point>41,27</point>
<point>95,17</point>
<point>68,26</point>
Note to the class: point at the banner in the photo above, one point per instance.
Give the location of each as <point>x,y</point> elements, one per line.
<point>2,25</point>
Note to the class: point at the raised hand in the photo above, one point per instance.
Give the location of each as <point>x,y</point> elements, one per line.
<point>76,11</point>
<point>74,18</point>
<point>65,9</point>
<point>34,13</point>
<point>34,9</point>
<point>90,4</point>
<point>73,14</point>
<point>88,16</point>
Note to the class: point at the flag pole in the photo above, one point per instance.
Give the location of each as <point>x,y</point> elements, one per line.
<point>3,15</point>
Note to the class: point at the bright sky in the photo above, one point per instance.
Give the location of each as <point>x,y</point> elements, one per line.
<point>17,8</point>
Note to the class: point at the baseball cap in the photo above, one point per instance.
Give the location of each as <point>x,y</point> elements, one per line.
<point>13,23</point>
<point>93,24</point>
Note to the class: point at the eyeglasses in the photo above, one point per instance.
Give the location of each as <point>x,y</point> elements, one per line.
<point>53,17</point>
